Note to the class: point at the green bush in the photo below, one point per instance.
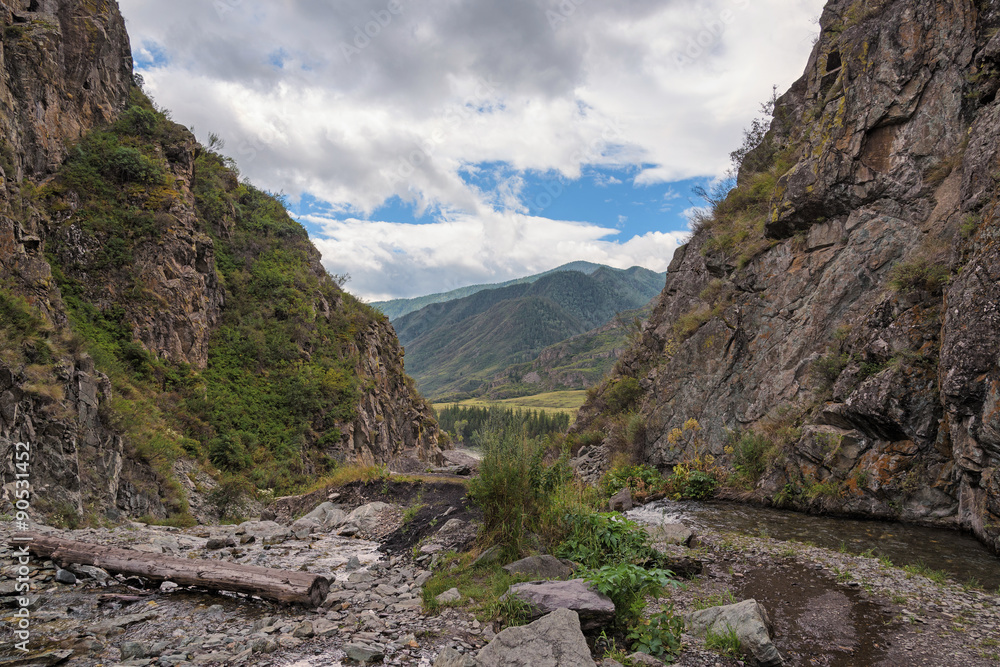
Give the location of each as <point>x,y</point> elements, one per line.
<point>699,485</point>
<point>514,486</point>
<point>628,586</point>
<point>631,476</point>
<point>828,368</point>
<point>749,455</point>
<point>919,274</point>
<point>598,539</point>
<point>622,394</point>
<point>139,121</point>
<point>659,635</point>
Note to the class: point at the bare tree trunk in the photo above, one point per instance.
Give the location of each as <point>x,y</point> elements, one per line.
<point>272,584</point>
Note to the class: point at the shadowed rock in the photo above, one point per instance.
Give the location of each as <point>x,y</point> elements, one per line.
<point>552,641</point>
<point>540,567</point>
<point>595,609</point>
<point>750,621</point>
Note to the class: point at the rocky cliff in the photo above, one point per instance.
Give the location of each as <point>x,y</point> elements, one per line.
<point>833,323</point>
<point>155,310</point>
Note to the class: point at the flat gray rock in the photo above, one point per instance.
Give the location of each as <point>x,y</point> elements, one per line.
<point>262,532</point>
<point>452,658</point>
<point>366,517</point>
<point>750,621</point>
<point>554,640</point>
<point>542,567</point>
<point>670,533</point>
<point>594,609</point>
<point>449,596</point>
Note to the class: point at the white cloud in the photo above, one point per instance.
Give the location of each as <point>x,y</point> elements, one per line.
<point>443,85</point>
<point>388,260</point>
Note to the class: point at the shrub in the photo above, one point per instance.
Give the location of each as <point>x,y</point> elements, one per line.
<point>659,635</point>
<point>698,485</point>
<point>623,474</point>
<point>970,224</point>
<point>137,120</point>
<point>919,274</point>
<point>514,486</point>
<point>229,495</point>
<point>628,585</point>
<point>597,539</point>
<point>827,369</point>
<point>749,455</point>
<point>627,435</point>
<point>621,394</point>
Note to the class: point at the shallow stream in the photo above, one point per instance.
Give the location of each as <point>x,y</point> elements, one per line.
<point>960,556</point>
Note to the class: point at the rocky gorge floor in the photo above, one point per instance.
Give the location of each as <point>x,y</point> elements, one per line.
<point>379,543</point>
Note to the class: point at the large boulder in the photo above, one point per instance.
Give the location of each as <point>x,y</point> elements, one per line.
<point>540,567</point>
<point>750,621</point>
<point>621,501</point>
<point>670,533</point>
<point>262,532</point>
<point>542,597</point>
<point>366,519</point>
<point>327,515</point>
<point>554,640</point>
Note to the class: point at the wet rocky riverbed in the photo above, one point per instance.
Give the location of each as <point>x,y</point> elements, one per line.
<point>960,556</point>
<point>827,607</point>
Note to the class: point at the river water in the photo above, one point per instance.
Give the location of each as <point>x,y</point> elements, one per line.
<point>959,555</point>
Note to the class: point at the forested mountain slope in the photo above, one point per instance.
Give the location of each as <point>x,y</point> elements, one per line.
<point>458,346</point>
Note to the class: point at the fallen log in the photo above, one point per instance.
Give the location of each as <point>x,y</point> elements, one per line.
<point>268,583</point>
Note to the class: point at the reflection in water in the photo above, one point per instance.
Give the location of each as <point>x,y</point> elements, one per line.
<point>959,555</point>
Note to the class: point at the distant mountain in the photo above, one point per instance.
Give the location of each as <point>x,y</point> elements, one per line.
<point>579,362</point>
<point>467,345</point>
<point>396,308</point>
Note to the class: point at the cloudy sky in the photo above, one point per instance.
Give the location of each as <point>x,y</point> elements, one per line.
<point>431,144</point>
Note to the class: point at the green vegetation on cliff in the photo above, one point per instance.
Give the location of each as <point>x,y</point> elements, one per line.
<point>265,394</point>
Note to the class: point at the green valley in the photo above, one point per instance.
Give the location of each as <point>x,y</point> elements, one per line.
<point>553,332</point>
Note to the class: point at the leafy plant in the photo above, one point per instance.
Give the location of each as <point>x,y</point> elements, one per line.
<point>597,539</point>
<point>827,369</point>
<point>628,586</point>
<point>970,224</point>
<point>623,474</point>
<point>749,450</point>
<point>514,485</point>
<point>621,394</point>
<point>659,635</point>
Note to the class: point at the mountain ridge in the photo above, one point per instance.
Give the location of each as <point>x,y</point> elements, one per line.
<point>455,347</point>
<point>396,308</point>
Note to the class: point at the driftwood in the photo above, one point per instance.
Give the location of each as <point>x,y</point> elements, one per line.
<point>272,584</point>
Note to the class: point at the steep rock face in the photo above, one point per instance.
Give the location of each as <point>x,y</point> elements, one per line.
<point>857,326</point>
<point>390,422</point>
<point>65,67</point>
<point>107,247</point>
